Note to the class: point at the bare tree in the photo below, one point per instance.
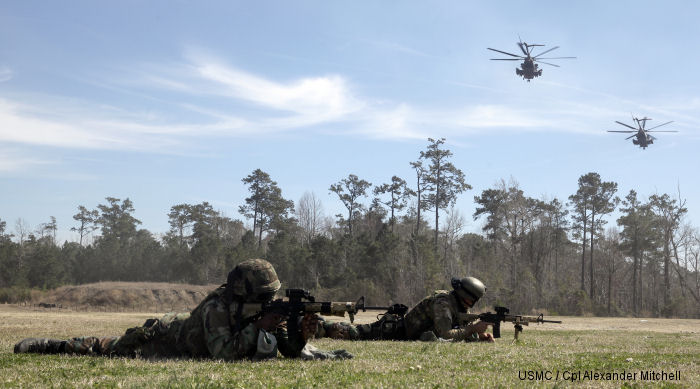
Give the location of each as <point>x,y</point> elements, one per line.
<point>686,253</point>
<point>669,213</point>
<point>310,215</point>
<point>454,223</point>
<point>21,232</point>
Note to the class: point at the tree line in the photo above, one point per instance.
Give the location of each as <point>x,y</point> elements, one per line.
<point>396,243</point>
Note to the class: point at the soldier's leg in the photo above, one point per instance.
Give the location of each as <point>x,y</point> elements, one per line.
<point>156,338</point>
<point>90,345</point>
<point>127,345</point>
<point>131,343</point>
<point>40,346</point>
<point>333,330</point>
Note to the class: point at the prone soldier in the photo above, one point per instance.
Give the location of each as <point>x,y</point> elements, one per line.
<point>440,315</point>
<point>217,328</point>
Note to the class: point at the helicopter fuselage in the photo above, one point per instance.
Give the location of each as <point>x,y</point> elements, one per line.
<point>643,139</point>
<point>528,70</point>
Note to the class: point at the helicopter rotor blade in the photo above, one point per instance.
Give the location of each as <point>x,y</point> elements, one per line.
<point>505,59</point>
<point>627,125</point>
<point>660,125</point>
<point>536,58</point>
<point>625,131</point>
<point>547,63</point>
<point>661,131</point>
<point>630,137</point>
<point>506,53</point>
<point>523,47</point>
<point>546,51</point>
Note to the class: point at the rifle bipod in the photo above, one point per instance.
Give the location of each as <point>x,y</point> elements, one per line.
<point>518,330</point>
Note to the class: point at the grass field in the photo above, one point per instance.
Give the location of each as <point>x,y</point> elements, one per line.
<point>561,355</point>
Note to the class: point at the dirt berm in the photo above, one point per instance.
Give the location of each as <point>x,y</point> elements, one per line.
<point>126,295</point>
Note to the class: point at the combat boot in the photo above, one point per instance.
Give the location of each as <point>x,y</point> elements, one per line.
<point>389,327</point>
<point>40,346</point>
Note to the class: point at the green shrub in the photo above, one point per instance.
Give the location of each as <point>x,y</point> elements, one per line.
<point>14,295</point>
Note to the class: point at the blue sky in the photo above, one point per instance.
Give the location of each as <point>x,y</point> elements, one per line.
<point>169,102</point>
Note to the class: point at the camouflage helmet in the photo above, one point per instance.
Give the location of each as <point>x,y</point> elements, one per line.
<point>468,287</point>
<point>253,280</point>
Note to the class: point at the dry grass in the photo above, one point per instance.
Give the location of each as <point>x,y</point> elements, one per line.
<point>577,323</point>
<point>579,344</point>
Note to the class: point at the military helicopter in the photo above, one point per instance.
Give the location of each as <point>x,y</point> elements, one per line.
<point>643,138</point>
<point>528,69</point>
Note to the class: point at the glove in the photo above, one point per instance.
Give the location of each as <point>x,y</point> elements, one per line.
<point>310,352</point>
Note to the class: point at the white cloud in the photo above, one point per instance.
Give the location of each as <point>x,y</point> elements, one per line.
<point>406,122</point>
<point>19,128</point>
<point>12,160</point>
<point>215,99</point>
<point>323,98</point>
<point>23,124</point>
<point>401,122</point>
<point>490,116</point>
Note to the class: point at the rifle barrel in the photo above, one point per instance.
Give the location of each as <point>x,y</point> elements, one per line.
<point>375,308</point>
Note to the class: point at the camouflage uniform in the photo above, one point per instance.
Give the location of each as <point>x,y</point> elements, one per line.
<point>434,317</point>
<point>209,331</point>
<point>217,328</point>
<point>437,313</point>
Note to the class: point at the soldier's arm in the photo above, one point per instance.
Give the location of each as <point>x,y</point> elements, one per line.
<point>475,331</point>
<point>289,345</point>
<point>443,322</point>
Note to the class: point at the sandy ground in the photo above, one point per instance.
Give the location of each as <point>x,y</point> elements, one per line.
<point>569,322</point>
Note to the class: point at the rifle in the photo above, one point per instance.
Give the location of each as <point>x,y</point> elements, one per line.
<point>502,315</point>
<point>295,307</point>
<point>395,309</point>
